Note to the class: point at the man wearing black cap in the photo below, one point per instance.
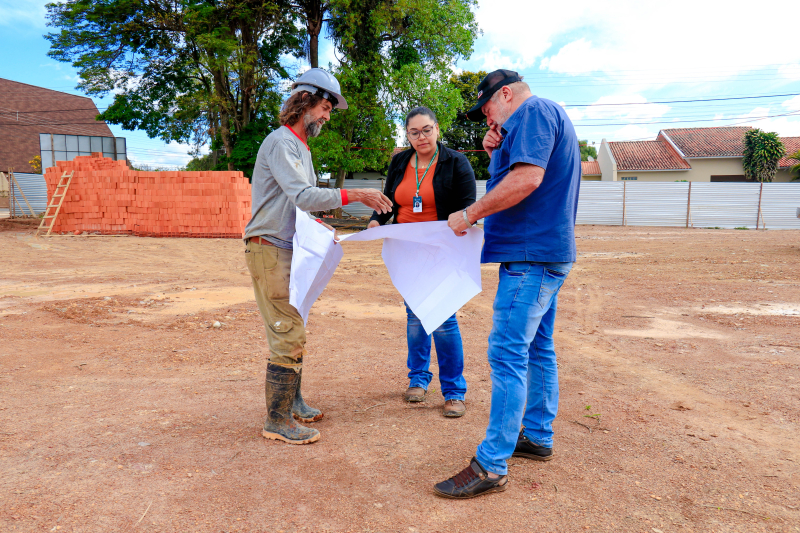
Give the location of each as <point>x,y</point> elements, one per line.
<point>529,209</point>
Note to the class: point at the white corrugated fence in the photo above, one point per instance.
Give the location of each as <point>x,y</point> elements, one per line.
<point>614,203</point>
<point>676,204</point>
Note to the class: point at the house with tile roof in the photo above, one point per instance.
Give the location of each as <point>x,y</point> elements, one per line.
<point>792,145</point>
<point>685,154</point>
<point>590,171</point>
<point>27,111</point>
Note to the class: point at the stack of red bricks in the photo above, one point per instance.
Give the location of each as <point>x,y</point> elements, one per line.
<point>106,197</point>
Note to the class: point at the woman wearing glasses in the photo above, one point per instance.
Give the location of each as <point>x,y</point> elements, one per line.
<point>427,183</point>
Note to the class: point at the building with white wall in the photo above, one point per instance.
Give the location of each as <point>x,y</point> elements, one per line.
<point>685,154</point>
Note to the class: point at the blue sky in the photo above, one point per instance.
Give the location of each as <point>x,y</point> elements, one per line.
<point>584,55</point>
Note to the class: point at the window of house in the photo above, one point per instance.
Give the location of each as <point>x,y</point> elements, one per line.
<point>629,178</point>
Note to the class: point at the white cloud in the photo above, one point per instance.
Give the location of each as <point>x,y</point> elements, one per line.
<point>787,126</point>
<point>784,126</point>
<point>496,58</point>
<point>767,119</point>
<point>637,108</point>
<point>517,32</point>
<point>600,112</point>
<point>575,114</point>
<point>643,44</point>
<point>18,13</point>
<point>792,104</point>
<point>790,72</point>
<point>157,155</point>
<point>633,132</point>
<point>574,58</point>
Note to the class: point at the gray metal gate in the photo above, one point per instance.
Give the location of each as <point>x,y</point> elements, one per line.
<point>33,187</point>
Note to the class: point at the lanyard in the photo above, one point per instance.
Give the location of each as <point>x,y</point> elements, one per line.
<point>416,169</point>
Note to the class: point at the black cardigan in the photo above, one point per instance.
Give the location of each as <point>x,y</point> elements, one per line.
<point>453,183</point>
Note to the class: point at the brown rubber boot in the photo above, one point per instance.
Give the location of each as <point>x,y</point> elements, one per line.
<point>280,389</point>
<point>302,411</point>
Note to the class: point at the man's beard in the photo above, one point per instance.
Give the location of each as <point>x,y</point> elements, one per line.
<point>312,125</point>
<point>503,111</point>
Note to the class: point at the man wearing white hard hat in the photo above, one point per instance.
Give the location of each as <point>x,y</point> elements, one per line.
<point>282,179</point>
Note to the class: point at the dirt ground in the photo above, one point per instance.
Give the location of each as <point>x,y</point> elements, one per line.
<point>121,409</point>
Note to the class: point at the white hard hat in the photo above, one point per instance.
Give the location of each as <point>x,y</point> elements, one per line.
<point>322,83</point>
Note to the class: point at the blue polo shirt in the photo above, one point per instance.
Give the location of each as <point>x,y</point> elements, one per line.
<point>542,226</point>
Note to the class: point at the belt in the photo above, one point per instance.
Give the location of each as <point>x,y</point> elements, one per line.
<point>260,240</point>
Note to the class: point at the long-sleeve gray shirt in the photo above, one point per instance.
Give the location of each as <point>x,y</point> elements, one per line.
<point>282,179</point>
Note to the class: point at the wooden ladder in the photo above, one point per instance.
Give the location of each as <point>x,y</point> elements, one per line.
<point>60,193</point>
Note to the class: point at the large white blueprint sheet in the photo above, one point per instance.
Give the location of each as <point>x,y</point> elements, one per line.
<point>314,261</point>
<point>433,270</point>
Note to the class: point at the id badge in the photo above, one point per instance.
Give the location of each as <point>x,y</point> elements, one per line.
<point>418,204</point>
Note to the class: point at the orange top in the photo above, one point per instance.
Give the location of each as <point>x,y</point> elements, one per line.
<point>405,192</point>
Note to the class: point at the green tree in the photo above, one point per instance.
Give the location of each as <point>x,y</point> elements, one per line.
<point>464,134</point>
<point>762,151</point>
<point>312,14</point>
<point>185,70</point>
<point>200,163</point>
<point>394,56</point>
<point>205,71</point>
<point>587,151</point>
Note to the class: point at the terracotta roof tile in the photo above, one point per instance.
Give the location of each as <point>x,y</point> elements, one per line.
<point>590,168</point>
<point>646,155</point>
<point>74,115</point>
<point>792,145</point>
<point>709,142</point>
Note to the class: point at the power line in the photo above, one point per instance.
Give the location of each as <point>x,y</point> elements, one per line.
<point>772,66</point>
<point>698,114</point>
<point>682,101</point>
<point>687,101</point>
<point>791,113</point>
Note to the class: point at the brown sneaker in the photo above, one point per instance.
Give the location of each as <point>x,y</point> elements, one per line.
<point>415,394</point>
<point>471,482</point>
<point>454,408</point>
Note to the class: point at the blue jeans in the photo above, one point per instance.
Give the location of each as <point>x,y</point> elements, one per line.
<point>522,360</point>
<point>449,352</point>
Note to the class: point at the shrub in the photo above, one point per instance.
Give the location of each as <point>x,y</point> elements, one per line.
<point>762,151</point>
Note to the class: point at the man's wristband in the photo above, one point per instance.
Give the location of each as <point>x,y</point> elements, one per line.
<point>466,218</point>
<point>345,199</point>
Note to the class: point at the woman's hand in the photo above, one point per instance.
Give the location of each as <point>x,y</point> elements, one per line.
<point>373,224</point>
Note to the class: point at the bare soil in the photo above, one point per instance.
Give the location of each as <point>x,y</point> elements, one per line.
<point>122,409</point>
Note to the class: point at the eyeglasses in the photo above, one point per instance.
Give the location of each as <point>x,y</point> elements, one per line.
<point>427,131</point>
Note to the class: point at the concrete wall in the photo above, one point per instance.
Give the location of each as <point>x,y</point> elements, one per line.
<point>608,167</point>
<point>784,176</point>
<point>703,169</point>
<point>701,174</point>
<point>3,185</point>
<point>590,178</point>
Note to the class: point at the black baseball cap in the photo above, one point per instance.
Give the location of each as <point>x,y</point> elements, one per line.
<point>493,82</point>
